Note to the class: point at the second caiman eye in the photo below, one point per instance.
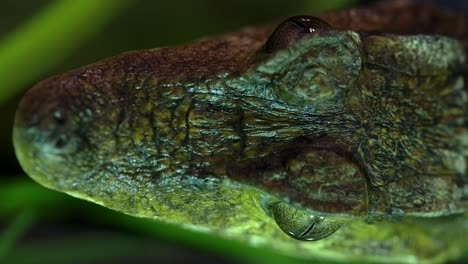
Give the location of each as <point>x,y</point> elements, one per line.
<point>293,29</point>
<point>301,224</point>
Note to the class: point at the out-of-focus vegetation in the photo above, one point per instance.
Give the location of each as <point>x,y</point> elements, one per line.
<point>42,38</point>
<point>48,37</point>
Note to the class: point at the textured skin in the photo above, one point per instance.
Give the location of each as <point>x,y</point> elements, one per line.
<point>352,122</point>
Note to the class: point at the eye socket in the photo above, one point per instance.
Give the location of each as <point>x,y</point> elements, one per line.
<point>293,29</point>
<point>301,224</point>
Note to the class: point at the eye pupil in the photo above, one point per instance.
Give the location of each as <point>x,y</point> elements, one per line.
<point>292,30</point>
<point>308,230</point>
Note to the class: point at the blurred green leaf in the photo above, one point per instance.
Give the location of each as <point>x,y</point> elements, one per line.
<point>25,194</point>
<point>97,247</point>
<point>48,38</point>
<point>18,226</point>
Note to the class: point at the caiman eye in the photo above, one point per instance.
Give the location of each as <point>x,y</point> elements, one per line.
<point>293,29</point>
<point>301,224</point>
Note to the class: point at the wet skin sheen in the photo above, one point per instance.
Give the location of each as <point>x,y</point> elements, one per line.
<point>348,129</point>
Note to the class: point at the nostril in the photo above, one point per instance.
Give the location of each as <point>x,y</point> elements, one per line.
<point>61,142</point>
<point>59,117</point>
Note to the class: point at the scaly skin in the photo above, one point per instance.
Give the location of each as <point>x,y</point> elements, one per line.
<point>255,134</point>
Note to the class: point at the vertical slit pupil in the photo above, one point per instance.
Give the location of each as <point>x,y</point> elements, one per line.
<point>307,231</point>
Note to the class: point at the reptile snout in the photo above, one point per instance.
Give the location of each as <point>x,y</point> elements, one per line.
<point>46,130</point>
<point>44,120</point>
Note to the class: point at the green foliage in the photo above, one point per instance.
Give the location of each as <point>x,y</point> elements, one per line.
<point>14,230</point>
<point>48,37</point>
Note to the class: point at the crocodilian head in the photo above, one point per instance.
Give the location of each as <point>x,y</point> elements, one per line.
<point>66,137</point>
